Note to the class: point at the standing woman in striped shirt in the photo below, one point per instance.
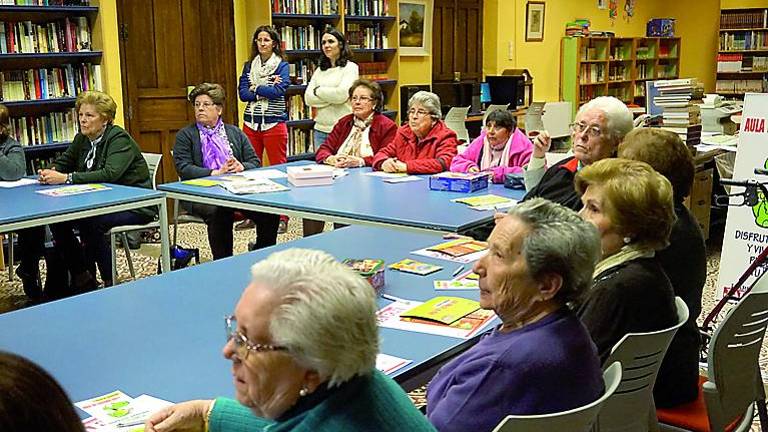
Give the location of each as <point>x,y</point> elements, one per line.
<point>262,87</point>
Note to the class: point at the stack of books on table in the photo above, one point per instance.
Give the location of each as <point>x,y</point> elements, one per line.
<point>310,175</point>
<point>679,100</point>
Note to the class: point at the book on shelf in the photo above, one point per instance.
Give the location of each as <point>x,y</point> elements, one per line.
<point>740,86</point>
<point>375,70</point>
<point>300,71</point>
<point>300,141</point>
<point>744,40</point>
<point>49,83</point>
<point>26,37</point>
<point>367,7</point>
<point>299,37</point>
<point>367,36</point>
<point>310,7</point>
<point>297,109</point>
<point>592,73</point>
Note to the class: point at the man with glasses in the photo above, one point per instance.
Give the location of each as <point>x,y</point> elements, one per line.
<point>303,343</point>
<point>599,127</point>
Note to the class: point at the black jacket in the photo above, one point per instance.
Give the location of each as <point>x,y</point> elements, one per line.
<point>557,184</point>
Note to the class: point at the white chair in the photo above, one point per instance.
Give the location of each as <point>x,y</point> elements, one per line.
<point>631,408</point>
<point>575,420</point>
<point>492,108</point>
<point>182,219</point>
<point>733,385</point>
<point>456,121</point>
<point>153,162</point>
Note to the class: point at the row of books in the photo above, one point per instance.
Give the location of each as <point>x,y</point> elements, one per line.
<point>592,73</point>
<point>729,62</point>
<point>49,83</point>
<point>367,7</point>
<point>587,93</point>
<point>621,52</point>
<point>645,70</point>
<point>57,36</point>
<point>667,71</point>
<point>623,93</point>
<point>297,109</point>
<point>44,2</point>
<point>619,72</point>
<point>373,70</point>
<point>299,141</point>
<point>592,53</point>
<point>301,71</point>
<point>311,7</point>
<point>740,86</point>
<point>751,40</point>
<point>368,36</point>
<point>300,37</point>
<point>644,52</point>
<point>745,19</point>
<point>51,128</point>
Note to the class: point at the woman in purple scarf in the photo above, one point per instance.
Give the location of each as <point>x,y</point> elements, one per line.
<point>209,147</point>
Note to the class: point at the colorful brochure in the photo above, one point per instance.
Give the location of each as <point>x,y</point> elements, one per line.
<point>254,186</point>
<point>464,328</point>
<point>411,266</point>
<point>446,310</point>
<point>484,200</point>
<point>73,190</point>
<point>116,411</point>
<point>460,247</point>
<point>202,182</point>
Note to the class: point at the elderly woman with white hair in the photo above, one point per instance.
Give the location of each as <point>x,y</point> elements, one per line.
<point>303,342</point>
<point>599,127</point>
<point>540,359</point>
<point>423,146</point>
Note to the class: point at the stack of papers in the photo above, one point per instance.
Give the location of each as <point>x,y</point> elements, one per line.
<point>468,280</point>
<point>486,202</point>
<point>464,328</point>
<point>463,250</point>
<point>254,186</point>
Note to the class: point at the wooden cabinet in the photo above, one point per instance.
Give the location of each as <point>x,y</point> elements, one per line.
<point>457,41</point>
<point>602,66</point>
<point>46,58</point>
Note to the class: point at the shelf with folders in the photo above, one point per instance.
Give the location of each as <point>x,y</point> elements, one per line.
<point>742,56</point>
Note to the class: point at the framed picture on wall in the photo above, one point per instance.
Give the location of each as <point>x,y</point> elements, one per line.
<point>415,27</point>
<point>534,21</point>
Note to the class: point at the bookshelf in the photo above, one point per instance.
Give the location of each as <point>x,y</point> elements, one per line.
<point>46,58</point>
<point>615,66</point>
<point>742,57</point>
<point>370,27</point>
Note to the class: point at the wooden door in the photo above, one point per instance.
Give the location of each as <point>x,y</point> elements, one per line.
<point>457,40</point>
<point>165,47</point>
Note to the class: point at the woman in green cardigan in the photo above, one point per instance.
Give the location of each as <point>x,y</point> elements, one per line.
<point>303,342</point>
<point>101,153</point>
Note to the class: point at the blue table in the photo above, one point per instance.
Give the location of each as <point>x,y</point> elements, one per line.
<point>163,335</point>
<point>21,207</point>
<point>356,199</point>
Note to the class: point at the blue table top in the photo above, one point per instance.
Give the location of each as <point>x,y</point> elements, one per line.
<point>22,203</point>
<point>163,335</point>
<point>363,197</point>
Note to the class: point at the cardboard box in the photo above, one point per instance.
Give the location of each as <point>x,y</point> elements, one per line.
<point>660,27</point>
<point>459,182</point>
<point>310,175</point>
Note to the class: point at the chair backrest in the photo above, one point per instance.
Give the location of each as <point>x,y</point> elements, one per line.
<point>575,420</point>
<point>734,380</point>
<point>456,121</point>
<point>631,406</point>
<point>492,108</point>
<point>153,162</point>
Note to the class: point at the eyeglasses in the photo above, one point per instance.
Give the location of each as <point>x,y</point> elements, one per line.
<point>205,105</point>
<point>361,99</point>
<point>593,131</point>
<point>242,345</point>
<point>417,113</point>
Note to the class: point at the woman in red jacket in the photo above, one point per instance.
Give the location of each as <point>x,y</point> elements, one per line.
<point>423,146</point>
<point>358,136</point>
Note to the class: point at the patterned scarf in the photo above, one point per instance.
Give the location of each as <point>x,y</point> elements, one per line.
<point>354,144</point>
<point>259,75</point>
<point>487,160</point>
<point>216,148</point>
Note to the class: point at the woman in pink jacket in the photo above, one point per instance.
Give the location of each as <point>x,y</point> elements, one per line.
<point>501,148</point>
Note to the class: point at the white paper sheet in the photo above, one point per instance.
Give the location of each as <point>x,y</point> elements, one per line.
<point>388,364</point>
<point>263,174</point>
<point>402,179</point>
<point>17,183</point>
<point>464,259</point>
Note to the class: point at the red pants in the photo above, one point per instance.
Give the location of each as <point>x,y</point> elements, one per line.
<point>274,140</point>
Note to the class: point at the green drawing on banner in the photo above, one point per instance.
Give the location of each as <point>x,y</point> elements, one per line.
<point>118,409</point>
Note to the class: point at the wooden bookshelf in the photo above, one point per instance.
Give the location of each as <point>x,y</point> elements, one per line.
<point>352,17</point>
<point>618,66</point>
<point>42,103</point>
<point>742,56</point>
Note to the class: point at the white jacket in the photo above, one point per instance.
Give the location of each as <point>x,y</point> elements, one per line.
<point>332,96</point>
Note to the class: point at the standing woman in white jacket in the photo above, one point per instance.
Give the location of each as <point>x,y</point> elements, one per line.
<point>328,90</point>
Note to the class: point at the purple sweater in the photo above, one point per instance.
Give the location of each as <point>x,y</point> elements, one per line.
<point>548,366</point>
<point>519,155</point>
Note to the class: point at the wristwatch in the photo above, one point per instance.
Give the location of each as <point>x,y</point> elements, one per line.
<point>69,179</point>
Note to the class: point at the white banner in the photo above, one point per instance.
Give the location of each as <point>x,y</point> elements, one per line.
<point>746,228</point>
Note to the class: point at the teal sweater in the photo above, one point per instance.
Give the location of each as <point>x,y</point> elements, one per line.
<point>370,403</point>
